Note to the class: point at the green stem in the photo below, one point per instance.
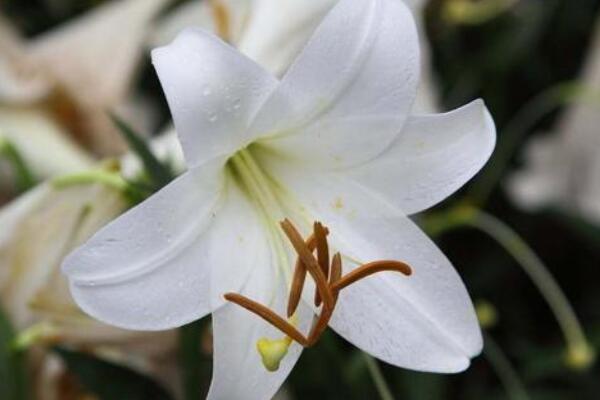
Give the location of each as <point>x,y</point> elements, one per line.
<point>505,371</point>
<point>108,178</point>
<point>24,176</point>
<point>580,354</point>
<point>378,380</point>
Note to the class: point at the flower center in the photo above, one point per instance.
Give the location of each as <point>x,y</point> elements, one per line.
<point>261,190</point>
<point>329,282</point>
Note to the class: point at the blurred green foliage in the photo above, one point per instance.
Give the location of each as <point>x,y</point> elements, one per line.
<point>109,381</point>
<point>13,379</point>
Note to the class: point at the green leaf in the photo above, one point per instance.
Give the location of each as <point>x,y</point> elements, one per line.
<point>24,178</point>
<point>110,381</point>
<point>13,384</point>
<point>159,173</point>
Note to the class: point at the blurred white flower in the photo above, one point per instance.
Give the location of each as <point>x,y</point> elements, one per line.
<point>44,146</point>
<point>81,69</point>
<point>563,168</point>
<point>333,141</point>
<point>42,226</point>
<point>427,96</point>
<point>273,32</point>
<point>38,229</point>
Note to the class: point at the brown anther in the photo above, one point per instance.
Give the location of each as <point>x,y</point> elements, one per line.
<point>268,315</point>
<point>369,269</point>
<point>336,274</point>
<point>297,285</point>
<point>322,254</point>
<point>309,261</point>
<point>326,313</point>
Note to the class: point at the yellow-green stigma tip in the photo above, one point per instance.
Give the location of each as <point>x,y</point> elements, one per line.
<point>580,357</point>
<point>272,352</point>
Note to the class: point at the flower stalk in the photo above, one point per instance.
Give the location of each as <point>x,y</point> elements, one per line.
<point>381,385</point>
<point>515,390</point>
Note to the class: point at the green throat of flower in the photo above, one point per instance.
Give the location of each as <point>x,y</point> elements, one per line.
<point>265,194</point>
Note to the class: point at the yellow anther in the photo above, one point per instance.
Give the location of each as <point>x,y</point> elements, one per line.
<point>273,351</point>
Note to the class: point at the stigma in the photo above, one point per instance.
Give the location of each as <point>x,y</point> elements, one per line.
<point>329,280</point>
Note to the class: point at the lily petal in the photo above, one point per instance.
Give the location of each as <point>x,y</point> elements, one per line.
<point>423,322</point>
<point>276,31</point>
<point>432,158</point>
<point>147,270</point>
<point>213,91</point>
<point>362,62</point>
<point>238,372</point>
<point>19,82</point>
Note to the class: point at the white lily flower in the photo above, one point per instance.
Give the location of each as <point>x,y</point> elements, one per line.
<point>333,141</point>
<point>563,168</point>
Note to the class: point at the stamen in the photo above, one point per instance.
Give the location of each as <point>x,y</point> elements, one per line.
<point>323,321</point>
<point>297,285</point>
<point>320,326</point>
<point>298,280</point>
<point>268,315</point>
<point>309,261</point>
<point>336,274</point>
<point>369,269</point>
<point>322,254</point>
<point>329,281</point>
